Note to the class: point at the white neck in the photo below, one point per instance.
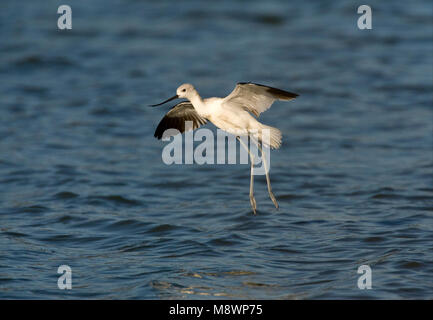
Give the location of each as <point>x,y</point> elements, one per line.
<point>198,103</point>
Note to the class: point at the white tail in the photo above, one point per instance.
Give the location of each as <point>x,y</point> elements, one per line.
<point>269,136</point>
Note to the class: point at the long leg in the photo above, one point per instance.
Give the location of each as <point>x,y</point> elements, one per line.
<point>252,199</point>
<point>268,181</point>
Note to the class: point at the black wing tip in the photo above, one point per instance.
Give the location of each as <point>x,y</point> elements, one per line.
<point>157,135</point>
<point>159,132</point>
<point>174,120</point>
<point>281,93</point>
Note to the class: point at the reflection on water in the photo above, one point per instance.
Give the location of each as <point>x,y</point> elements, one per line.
<point>82,181</point>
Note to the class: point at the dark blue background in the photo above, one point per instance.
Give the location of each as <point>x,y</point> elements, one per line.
<point>82,182</point>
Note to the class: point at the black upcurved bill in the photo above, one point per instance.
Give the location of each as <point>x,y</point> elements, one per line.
<point>172,98</point>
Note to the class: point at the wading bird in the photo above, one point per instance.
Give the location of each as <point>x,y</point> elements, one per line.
<point>235,114</point>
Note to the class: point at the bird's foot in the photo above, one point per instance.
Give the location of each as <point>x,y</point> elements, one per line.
<point>271,195</point>
<point>253,203</point>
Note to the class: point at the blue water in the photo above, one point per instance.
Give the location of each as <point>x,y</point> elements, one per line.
<point>82,181</point>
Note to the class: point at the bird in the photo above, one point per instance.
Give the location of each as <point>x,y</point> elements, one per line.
<point>236,113</point>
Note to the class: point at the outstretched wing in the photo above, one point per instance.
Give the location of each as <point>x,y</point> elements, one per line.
<point>256,98</point>
<point>175,119</point>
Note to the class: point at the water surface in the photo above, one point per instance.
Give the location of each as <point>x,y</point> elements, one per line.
<point>82,182</point>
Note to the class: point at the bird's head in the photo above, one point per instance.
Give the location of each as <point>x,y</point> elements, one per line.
<point>185,90</point>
